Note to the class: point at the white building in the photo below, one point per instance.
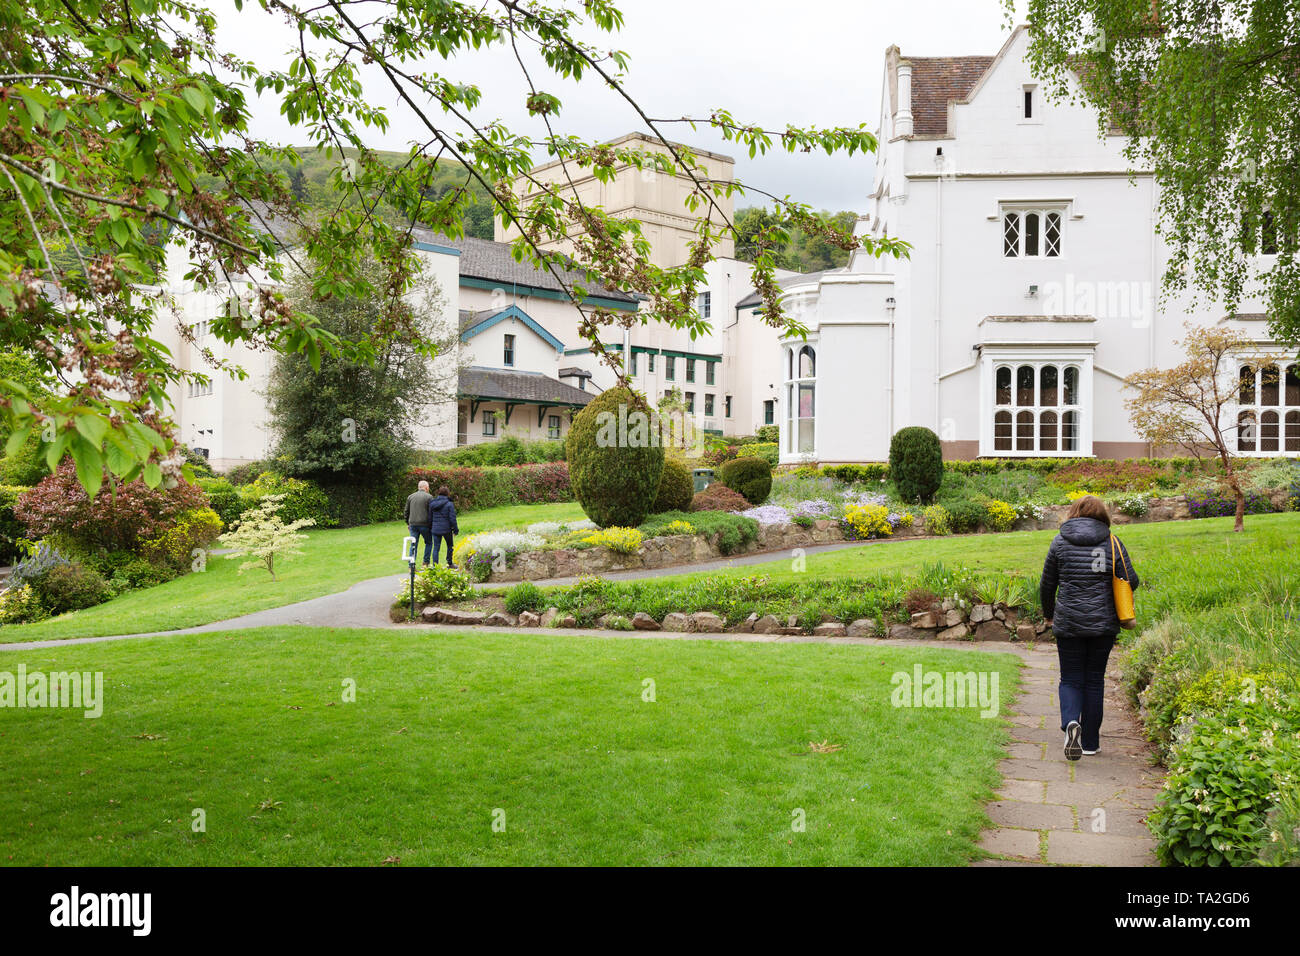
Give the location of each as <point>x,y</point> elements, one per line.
<point>1029,295</point>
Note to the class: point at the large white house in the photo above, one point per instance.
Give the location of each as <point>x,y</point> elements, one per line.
<point>1029,295</point>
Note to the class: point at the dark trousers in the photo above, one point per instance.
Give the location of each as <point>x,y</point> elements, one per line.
<point>419,531</point>
<point>1083,682</point>
<point>438,539</point>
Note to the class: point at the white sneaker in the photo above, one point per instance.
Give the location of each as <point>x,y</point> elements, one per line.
<point>1072,749</point>
<point>1089,753</point>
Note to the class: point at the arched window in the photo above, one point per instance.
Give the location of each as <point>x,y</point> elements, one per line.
<point>1047,385</point>
<point>1031,234</point>
<point>1071,386</point>
<point>1268,431</point>
<point>1293,431</point>
<point>1002,387</point>
<point>1002,430</point>
<point>801,401</point>
<point>1269,386</point>
<point>1246,429</point>
<point>1292,385</point>
<point>1047,431</point>
<point>807,362</point>
<point>1246,389</point>
<point>1025,385</point>
<point>1025,431</point>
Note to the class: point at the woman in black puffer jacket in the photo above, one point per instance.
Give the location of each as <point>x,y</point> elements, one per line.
<point>1079,603</point>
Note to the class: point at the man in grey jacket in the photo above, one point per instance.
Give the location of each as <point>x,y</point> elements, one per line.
<point>417,519</point>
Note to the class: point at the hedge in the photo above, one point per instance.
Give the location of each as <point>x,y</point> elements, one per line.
<point>878,471</point>
<point>476,488</point>
<point>11,529</point>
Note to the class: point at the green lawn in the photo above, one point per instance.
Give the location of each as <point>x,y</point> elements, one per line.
<point>1158,545</point>
<point>251,728</point>
<point>332,561</point>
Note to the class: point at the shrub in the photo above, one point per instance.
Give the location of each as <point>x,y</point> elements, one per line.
<point>180,545</point>
<point>871,473</point>
<point>964,515</point>
<point>614,467</point>
<point>868,521</point>
<point>1217,504</point>
<point>916,463</point>
<point>475,488</point>
<point>21,605</point>
<point>620,540</point>
<point>300,499</point>
<point>937,520</point>
<point>128,572</point>
<point>119,519</point>
<point>999,516</point>
<point>71,587</point>
<point>768,451</point>
<point>199,466</point>
<point>246,474</point>
<point>678,527</point>
<point>11,529</point>
<point>1135,506</point>
<point>1223,781</point>
<point>440,583</point>
<point>524,596</point>
<point>676,487</point>
<point>729,532</point>
<point>508,451</point>
<point>768,433</point>
<point>223,498</point>
<point>35,566</point>
<point>26,466</point>
<point>752,477</point>
<point>262,535</point>
<point>718,497</point>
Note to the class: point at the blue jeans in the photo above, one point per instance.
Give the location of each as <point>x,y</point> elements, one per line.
<point>1083,682</point>
<point>419,531</point>
<point>438,539</point>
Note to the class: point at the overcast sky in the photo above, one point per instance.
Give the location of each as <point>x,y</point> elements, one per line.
<point>770,62</point>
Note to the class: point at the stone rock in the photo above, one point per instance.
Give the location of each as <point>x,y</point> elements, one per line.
<point>925,619</point>
<point>992,631</point>
<point>1040,627</point>
<point>954,617</point>
<point>501,619</point>
<point>706,622</point>
<point>903,632</point>
<point>444,615</point>
<point>792,620</point>
<point>1000,613</point>
<point>1025,632</point>
<point>566,620</point>
<point>981,613</point>
<point>830,629</point>
<point>676,621</point>
<point>958,632</point>
<point>767,624</point>
<point>747,625</point>
<point>641,621</point>
<point>549,616</point>
<point>862,627</point>
<point>529,619</point>
<point>947,605</point>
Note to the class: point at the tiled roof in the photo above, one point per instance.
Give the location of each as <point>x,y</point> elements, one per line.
<point>936,81</point>
<point>494,262</point>
<point>518,386</point>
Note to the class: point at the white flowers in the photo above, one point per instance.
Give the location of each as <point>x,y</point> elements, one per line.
<point>551,528</point>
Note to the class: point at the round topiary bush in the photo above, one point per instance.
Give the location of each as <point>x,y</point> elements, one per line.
<point>916,463</point>
<point>676,488</point>
<point>718,497</point>
<point>615,459</point>
<point>750,476</point>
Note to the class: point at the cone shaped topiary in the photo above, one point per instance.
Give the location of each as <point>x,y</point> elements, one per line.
<point>615,458</point>
<point>916,463</point>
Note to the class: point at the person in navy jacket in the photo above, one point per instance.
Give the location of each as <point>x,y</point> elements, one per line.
<point>442,523</point>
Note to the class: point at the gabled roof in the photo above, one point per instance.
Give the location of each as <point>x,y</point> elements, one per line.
<point>510,385</point>
<point>937,81</point>
<point>472,323</point>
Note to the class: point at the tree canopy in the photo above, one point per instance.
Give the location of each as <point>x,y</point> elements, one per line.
<point>1208,94</point>
<point>125,125</point>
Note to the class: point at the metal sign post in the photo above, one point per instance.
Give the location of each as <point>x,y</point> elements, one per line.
<point>409,547</point>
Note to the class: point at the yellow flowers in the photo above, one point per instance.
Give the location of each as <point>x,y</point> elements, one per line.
<point>678,527</point>
<point>622,540</point>
<point>869,521</point>
<point>1001,516</point>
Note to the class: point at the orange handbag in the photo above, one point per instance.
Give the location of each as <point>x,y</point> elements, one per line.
<point>1124,607</point>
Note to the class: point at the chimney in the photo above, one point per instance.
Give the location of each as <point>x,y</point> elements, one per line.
<point>903,117</point>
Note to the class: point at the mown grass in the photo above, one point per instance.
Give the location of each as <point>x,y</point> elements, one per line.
<point>332,560</point>
<point>251,727</point>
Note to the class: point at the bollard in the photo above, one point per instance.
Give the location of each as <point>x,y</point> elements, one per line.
<point>409,546</point>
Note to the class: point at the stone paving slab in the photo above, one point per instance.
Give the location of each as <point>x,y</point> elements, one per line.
<point>1048,810</point>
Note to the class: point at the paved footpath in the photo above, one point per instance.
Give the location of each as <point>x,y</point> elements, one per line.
<point>1048,810</point>
<point>1090,812</point>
